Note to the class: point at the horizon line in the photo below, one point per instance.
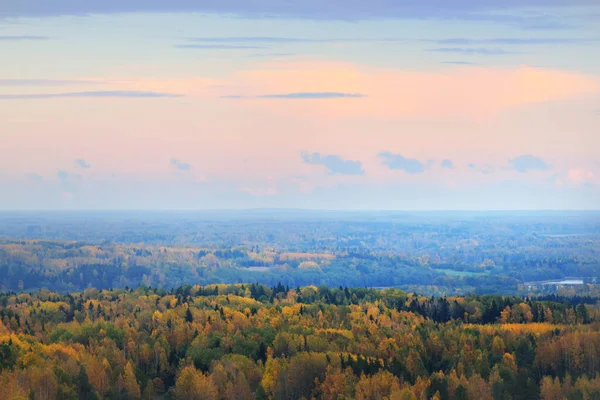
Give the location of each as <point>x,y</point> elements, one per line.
<point>275,209</point>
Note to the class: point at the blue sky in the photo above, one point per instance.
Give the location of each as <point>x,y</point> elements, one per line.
<point>456,104</point>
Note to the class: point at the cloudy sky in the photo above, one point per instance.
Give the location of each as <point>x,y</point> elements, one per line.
<point>384,104</point>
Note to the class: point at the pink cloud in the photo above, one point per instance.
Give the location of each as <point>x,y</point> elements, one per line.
<point>580,175</point>
<point>466,92</point>
<point>466,114</point>
<point>470,92</point>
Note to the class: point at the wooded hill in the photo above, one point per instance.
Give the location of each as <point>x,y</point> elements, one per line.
<point>258,342</point>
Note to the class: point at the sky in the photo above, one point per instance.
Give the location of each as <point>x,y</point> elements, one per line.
<point>351,105</point>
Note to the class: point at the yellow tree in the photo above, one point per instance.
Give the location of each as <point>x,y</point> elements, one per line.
<point>337,384</point>
<point>550,389</point>
<point>131,385</point>
<point>193,385</point>
<point>379,386</point>
<point>404,394</point>
<point>508,360</point>
<point>239,389</point>
<point>505,315</point>
<point>498,346</point>
<point>273,367</point>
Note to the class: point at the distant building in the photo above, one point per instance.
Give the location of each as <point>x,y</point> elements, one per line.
<point>554,285</point>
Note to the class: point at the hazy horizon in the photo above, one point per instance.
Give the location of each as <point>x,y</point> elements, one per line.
<point>299,210</point>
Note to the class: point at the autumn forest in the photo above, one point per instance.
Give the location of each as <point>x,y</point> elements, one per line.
<point>300,307</point>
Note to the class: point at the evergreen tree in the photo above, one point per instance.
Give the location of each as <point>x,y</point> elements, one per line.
<point>188,315</point>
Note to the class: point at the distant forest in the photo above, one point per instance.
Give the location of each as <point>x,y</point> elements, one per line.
<point>428,253</point>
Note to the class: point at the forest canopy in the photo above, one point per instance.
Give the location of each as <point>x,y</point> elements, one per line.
<point>259,342</point>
